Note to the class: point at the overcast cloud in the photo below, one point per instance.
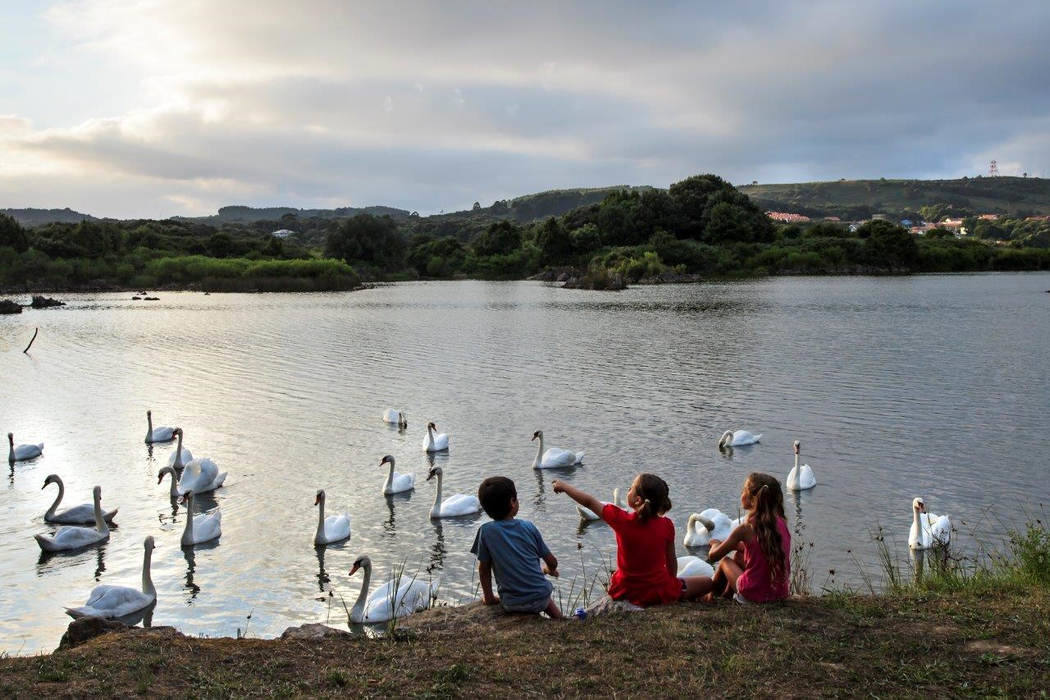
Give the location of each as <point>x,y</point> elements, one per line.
<point>163,107</point>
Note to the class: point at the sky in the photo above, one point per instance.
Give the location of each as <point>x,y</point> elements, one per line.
<point>155,108</point>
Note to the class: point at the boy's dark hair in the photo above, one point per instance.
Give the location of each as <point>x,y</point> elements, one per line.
<point>495,494</point>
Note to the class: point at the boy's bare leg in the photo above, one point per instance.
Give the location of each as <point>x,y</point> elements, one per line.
<point>552,610</point>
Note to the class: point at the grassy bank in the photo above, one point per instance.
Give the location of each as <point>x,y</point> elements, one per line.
<point>988,641</point>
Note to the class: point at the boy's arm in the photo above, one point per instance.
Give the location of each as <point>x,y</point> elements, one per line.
<point>550,565</point>
<point>584,499</point>
<point>485,576</point>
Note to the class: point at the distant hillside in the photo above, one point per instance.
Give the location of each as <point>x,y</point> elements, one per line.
<point>38,217</point>
<point>247,215</point>
<point>859,199</point>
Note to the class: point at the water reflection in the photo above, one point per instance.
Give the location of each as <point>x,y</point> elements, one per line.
<point>145,616</point>
<point>390,524</point>
<point>191,566</point>
<point>437,550</point>
<point>72,558</point>
<point>322,576</point>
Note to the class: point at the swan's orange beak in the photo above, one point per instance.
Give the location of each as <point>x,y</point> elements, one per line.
<point>353,570</point>
<point>317,499</point>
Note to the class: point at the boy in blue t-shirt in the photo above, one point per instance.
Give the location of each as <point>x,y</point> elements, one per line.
<point>512,549</point>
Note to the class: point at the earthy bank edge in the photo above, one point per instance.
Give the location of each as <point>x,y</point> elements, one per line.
<point>963,643</point>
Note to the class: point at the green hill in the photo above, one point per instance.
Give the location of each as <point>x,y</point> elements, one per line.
<point>38,217</point>
<point>859,199</point>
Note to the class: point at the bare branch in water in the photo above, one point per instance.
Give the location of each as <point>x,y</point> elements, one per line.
<point>26,351</point>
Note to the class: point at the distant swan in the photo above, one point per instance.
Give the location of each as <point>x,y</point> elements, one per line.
<point>800,478</point>
<point>412,595</point>
<point>738,438</point>
<point>74,537</point>
<point>588,514</point>
<point>117,601</point>
<point>84,514</point>
<point>707,525</point>
<point>392,415</point>
<point>432,442</point>
<point>694,566</point>
<point>927,529</point>
<point>554,457</point>
<point>181,456</point>
<point>455,505</point>
<point>22,452</point>
<point>334,528</point>
<point>396,483</point>
<point>160,434</point>
<point>202,527</point>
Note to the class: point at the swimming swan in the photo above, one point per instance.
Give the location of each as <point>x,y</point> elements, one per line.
<point>75,537</point>
<point>396,483</point>
<point>694,566</point>
<point>392,415</point>
<point>202,527</point>
<point>117,601</point>
<point>181,456</point>
<point>707,525</point>
<point>84,514</point>
<point>928,530</point>
<point>588,514</point>
<point>334,528</point>
<point>412,594</point>
<point>432,442</point>
<point>455,505</point>
<point>800,478</point>
<point>22,452</point>
<point>554,457</point>
<point>195,477</point>
<point>159,434</point>
<point>738,438</point>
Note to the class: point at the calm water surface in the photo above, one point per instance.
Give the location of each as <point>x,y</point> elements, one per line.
<point>931,385</point>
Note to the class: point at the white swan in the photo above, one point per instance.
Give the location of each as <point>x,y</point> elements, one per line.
<point>800,478</point>
<point>118,601</point>
<point>927,529</point>
<point>159,434</point>
<point>396,483</point>
<point>432,442</point>
<point>202,527</point>
<point>737,438</point>
<point>22,452</point>
<point>84,514</point>
<point>75,537</point>
<point>181,456</point>
<point>707,525</point>
<point>392,415</point>
<point>199,476</point>
<point>694,566</point>
<point>334,528</point>
<point>554,457</point>
<point>412,596</point>
<point>457,504</point>
<point>588,514</point>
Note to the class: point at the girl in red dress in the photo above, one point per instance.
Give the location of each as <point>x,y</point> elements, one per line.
<point>645,544</point>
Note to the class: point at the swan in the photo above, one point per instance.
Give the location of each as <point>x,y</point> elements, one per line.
<point>181,456</point>
<point>412,594</point>
<point>74,537</point>
<point>334,528</point>
<point>118,601</point>
<point>83,514</point>
<point>707,525</point>
<point>392,415</point>
<point>432,442</point>
<point>199,476</point>
<point>928,530</point>
<point>22,452</point>
<point>588,514</point>
<point>396,483</point>
<point>202,527</point>
<point>458,504</point>
<point>800,478</point>
<point>554,457</point>
<point>737,438</point>
<point>159,434</point>
<point>694,566</point>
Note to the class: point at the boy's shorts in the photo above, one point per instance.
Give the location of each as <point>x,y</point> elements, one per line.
<point>529,606</point>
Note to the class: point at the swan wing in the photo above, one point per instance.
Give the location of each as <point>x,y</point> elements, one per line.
<point>111,601</point>
<point>694,566</point>
<point>162,434</point>
<point>460,504</point>
<point>557,457</point>
<point>187,457</point>
<point>402,482</point>
<point>84,514</point>
<point>28,451</point>
<point>207,526</point>
<point>337,527</point>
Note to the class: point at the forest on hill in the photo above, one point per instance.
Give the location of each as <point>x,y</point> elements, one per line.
<point>699,227</point>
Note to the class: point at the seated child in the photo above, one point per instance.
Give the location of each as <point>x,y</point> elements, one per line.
<point>512,549</point>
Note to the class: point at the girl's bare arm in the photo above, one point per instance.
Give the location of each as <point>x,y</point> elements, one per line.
<point>584,499</point>
<point>740,533</point>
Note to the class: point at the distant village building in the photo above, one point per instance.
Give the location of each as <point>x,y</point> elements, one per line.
<point>282,233</point>
<point>787,217</point>
<point>954,225</point>
<point>833,219</point>
<point>989,217</point>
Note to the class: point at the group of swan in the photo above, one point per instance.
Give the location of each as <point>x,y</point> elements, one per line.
<point>554,457</point>
<point>199,475</point>
<point>800,478</point>
<point>83,514</point>
<point>19,453</point>
<point>75,536</point>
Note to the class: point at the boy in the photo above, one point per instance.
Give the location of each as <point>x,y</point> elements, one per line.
<point>512,549</point>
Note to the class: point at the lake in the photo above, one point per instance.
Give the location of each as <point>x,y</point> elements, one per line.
<point>895,386</point>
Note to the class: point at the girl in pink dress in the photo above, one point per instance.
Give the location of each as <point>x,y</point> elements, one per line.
<point>759,568</point>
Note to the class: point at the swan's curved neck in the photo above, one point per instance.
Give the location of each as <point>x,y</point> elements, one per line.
<point>149,424</point>
<point>691,527</point>
<point>539,452</point>
<point>389,477</point>
<point>174,488</point>
<point>178,453</point>
<point>320,518</point>
<point>147,581</point>
<point>100,522</point>
<point>187,532</point>
<point>357,612</point>
<point>436,510</point>
<point>58,499</point>
<point>430,436</point>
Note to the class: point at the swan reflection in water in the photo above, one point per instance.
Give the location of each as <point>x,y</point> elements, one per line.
<point>437,550</point>
<point>191,566</point>
<point>73,557</point>
<point>323,579</point>
<point>145,616</point>
<point>390,524</point>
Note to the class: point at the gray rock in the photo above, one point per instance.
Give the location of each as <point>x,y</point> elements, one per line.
<point>80,631</point>
<point>9,307</point>
<point>313,630</point>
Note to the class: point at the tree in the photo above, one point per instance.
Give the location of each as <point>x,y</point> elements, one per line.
<point>477,206</point>
<point>368,239</point>
<point>500,238</point>
<point>889,246</point>
<point>12,234</point>
<point>554,242</point>
<point>220,245</point>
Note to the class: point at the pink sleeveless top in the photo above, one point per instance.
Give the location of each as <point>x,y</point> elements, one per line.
<point>754,584</point>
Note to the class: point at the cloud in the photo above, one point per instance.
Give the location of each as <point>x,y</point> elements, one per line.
<point>433,106</point>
